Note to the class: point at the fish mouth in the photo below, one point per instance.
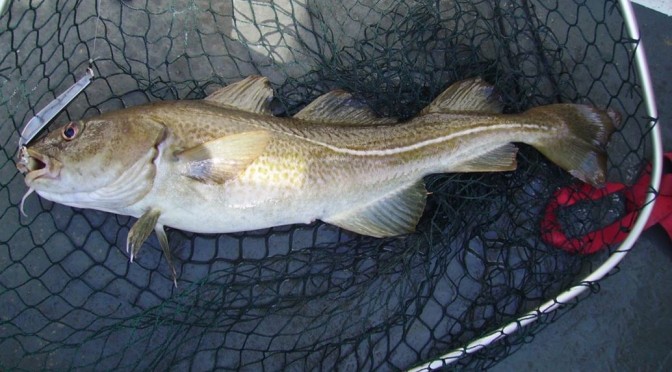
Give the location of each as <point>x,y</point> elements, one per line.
<point>35,165</point>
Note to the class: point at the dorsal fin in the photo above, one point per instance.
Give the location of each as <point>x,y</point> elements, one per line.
<point>341,108</point>
<point>252,94</point>
<point>223,158</point>
<point>471,95</point>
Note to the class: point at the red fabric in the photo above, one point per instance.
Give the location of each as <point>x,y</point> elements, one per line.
<point>616,232</point>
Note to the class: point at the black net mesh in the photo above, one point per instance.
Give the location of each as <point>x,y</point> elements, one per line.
<point>308,296</point>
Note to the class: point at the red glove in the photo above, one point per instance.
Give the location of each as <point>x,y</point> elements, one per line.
<point>551,230</point>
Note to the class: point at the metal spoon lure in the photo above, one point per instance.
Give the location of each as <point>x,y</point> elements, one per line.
<point>42,118</point>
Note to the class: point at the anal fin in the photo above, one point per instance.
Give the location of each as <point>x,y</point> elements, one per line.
<point>500,159</point>
<point>394,214</point>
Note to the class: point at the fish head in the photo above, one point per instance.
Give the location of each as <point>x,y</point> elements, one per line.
<point>98,163</point>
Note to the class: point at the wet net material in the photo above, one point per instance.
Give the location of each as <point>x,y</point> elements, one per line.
<point>306,296</point>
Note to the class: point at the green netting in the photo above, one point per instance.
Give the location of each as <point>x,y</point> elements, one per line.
<point>301,297</point>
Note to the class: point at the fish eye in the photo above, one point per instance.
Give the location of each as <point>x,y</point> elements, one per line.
<point>70,131</point>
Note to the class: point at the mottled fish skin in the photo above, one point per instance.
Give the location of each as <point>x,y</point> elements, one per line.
<point>225,164</point>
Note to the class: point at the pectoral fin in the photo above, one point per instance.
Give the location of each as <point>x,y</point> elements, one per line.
<point>140,231</point>
<point>224,158</point>
<point>394,214</point>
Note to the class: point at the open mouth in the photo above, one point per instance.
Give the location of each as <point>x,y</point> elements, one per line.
<point>35,165</point>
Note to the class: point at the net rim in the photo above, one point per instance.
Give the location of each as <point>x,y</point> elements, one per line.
<point>643,73</point>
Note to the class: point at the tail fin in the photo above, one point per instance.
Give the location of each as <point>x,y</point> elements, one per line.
<point>581,149</point>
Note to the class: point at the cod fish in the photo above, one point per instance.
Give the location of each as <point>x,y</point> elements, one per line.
<point>226,164</point>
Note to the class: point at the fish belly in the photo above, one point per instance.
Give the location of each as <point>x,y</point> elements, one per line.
<point>243,206</point>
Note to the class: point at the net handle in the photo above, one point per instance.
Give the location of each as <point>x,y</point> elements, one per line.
<point>643,73</point>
